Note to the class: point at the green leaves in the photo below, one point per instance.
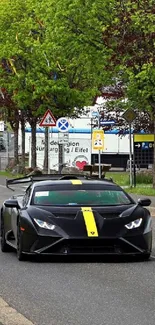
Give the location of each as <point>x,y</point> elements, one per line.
<point>56,50</point>
<point>58,54</point>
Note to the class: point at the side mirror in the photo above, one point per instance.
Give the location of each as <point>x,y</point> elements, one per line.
<point>12,203</point>
<point>144,202</point>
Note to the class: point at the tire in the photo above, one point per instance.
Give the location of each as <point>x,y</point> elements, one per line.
<point>4,246</point>
<point>20,254</point>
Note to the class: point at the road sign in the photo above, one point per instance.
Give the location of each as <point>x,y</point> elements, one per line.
<point>129,115</point>
<point>143,149</point>
<point>98,140</point>
<point>146,145</point>
<point>105,122</point>
<point>63,138</point>
<point>63,124</point>
<point>137,145</point>
<point>143,137</point>
<point>95,114</point>
<point>48,119</point>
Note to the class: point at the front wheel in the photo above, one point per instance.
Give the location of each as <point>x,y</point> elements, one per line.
<point>4,246</point>
<point>20,254</point>
<point>146,256</point>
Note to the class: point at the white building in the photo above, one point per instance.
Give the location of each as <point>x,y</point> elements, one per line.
<point>78,151</point>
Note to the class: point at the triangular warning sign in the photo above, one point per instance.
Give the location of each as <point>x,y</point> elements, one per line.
<point>48,119</point>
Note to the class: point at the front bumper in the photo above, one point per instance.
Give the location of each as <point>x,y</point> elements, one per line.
<point>129,245</point>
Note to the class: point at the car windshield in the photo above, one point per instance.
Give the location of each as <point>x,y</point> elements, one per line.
<point>80,197</point>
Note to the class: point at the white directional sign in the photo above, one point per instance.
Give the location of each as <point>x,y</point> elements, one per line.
<point>63,124</point>
<point>48,119</point>
<point>63,138</point>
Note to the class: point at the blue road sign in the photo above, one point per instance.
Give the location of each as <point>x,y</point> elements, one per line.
<point>95,114</point>
<point>63,124</point>
<point>105,122</point>
<point>145,145</point>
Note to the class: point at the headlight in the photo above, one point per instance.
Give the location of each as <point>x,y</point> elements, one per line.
<point>134,224</point>
<point>44,224</point>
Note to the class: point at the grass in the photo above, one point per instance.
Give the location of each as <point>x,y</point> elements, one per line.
<point>9,175</point>
<point>147,191</point>
<point>121,178</point>
<point>144,183</point>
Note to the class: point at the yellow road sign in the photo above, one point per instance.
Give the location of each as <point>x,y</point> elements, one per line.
<point>129,115</point>
<point>98,140</point>
<point>143,137</point>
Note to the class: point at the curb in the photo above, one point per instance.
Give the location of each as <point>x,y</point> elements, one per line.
<point>10,316</point>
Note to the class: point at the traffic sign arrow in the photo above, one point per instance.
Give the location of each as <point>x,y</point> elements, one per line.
<point>137,145</point>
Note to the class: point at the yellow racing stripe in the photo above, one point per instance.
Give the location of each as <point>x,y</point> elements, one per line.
<point>90,222</point>
<point>76,181</point>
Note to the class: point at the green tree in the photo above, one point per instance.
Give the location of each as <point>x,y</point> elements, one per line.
<point>47,62</point>
<point>130,37</point>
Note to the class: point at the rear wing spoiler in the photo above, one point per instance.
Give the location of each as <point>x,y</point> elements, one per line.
<point>44,177</point>
<point>14,181</point>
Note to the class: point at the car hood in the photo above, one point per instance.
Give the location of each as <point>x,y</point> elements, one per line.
<point>70,221</point>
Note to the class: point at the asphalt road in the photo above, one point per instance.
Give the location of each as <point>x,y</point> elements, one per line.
<point>90,292</point>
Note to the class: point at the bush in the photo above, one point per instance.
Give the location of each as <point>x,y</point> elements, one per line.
<point>144,177</point>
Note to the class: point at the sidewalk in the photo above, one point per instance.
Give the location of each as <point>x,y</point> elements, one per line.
<point>10,316</point>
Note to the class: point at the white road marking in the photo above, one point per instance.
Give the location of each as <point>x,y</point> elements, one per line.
<point>9,315</point>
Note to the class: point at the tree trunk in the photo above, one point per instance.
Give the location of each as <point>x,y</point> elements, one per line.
<point>16,128</point>
<point>153,169</point>
<point>23,143</point>
<point>33,143</point>
<point>14,122</point>
<point>46,151</point>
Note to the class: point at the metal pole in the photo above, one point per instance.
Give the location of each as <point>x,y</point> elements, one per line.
<point>130,154</point>
<point>99,152</point>
<point>7,147</point>
<point>48,150</point>
<point>61,157</point>
<point>134,165</point>
<point>99,162</point>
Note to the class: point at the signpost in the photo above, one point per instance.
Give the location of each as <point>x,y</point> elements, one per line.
<point>129,115</point>
<point>63,126</point>
<point>98,144</point>
<point>48,120</point>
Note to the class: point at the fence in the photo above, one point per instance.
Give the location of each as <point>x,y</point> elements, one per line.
<point>6,149</point>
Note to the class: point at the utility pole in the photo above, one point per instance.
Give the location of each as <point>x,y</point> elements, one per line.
<point>130,153</point>
<point>99,152</point>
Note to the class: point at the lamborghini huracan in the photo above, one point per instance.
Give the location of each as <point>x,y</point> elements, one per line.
<point>73,215</point>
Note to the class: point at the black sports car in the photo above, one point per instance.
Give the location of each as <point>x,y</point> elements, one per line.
<point>75,215</point>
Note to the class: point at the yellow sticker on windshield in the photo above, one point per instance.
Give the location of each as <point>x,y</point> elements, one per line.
<point>90,222</point>
<point>76,182</point>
